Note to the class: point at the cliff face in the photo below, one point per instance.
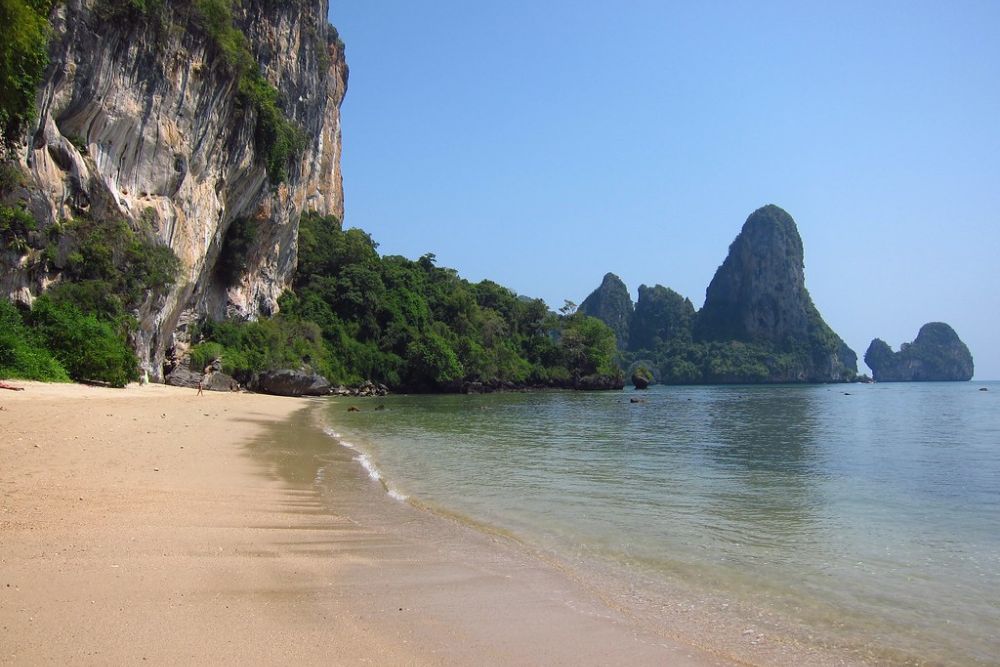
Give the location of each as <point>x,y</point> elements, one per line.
<point>611,304</point>
<point>145,123</point>
<point>758,295</point>
<point>759,291</point>
<point>936,355</point>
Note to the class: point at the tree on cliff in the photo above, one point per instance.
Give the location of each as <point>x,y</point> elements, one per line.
<point>24,35</point>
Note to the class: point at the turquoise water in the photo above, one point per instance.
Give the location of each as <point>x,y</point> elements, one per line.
<point>858,516</point>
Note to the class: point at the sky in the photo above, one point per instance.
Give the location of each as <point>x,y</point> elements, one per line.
<point>541,144</point>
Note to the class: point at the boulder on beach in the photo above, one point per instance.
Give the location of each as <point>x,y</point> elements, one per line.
<point>290,382</point>
<point>213,381</point>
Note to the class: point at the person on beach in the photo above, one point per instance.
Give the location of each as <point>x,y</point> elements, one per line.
<point>206,377</point>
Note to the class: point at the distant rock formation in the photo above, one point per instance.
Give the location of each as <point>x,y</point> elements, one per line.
<point>758,295</point>
<point>758,323</point>
<point>611,304</point>
<point>936,355</point>
<point>660,314</point>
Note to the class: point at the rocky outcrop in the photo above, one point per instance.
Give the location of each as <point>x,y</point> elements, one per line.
<point>289,382</point>
<point>661,314</point>
<point>611,304</point>
<point>758,324</point>
<point>641,377</point>
<point>758,296</point>
<point>936,355</point>
<point>145,122</point>
<point>213,381</point>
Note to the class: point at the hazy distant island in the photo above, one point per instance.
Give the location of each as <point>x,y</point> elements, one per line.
<point>936,355</point>
<point>758,324</point>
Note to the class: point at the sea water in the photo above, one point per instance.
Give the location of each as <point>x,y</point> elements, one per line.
<point>856,516</point>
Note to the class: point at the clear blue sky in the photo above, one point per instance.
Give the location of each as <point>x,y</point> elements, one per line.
<point>542,144</point>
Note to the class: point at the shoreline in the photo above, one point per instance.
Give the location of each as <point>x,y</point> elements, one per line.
<point>153,524</point>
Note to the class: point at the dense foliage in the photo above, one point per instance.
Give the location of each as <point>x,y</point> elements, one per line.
<point>355,315</point>
<point>82,325</point>
<point>23,353</point>
<point>24,36</point>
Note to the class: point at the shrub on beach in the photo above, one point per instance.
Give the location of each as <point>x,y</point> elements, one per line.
<point>22,355</point>
<point>89,349</point>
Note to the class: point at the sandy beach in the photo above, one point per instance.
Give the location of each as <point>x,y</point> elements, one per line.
<point>151,524</point>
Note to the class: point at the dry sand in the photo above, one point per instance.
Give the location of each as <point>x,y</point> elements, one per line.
<point>151,524</point>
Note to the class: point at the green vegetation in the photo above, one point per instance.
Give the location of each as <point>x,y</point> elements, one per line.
<point>24,38</point>
<point>80,328</point>
<point>89,348</point>
<point>354,315</point>
<point>246,348</point>
<point>663,331</point>
<point>107,269</point>
<point>23,355</point>
<point>16,225</point>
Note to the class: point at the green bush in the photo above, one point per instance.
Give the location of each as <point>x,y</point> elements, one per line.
<point>24,38</point>
<point>89,349</point>
<point>15,225</point>
<point>11,176</point>
<point>108,256</point>
<point>205,353</point>
<point>247,348</point>
<point>22,355</point>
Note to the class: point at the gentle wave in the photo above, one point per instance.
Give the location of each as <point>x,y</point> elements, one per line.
<point>366,462</point>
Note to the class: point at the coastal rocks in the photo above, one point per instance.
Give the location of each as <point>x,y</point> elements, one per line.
<point>936,355</point>
<point>611,304</point>
<point>599,383</point>
<point>142,121</point>
<point>366,388</point>
<point>289,382</point>
<point>214,381</point>
<point>641,377</point>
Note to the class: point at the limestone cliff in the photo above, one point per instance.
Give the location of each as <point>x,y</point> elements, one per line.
<point>936,355</point>
<point>611,304</point>
<point>758,295</point>
<point>144,121</point>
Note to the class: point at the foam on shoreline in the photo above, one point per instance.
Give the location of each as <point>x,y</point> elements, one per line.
<point>366,462</point>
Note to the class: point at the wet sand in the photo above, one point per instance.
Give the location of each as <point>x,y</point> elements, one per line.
<point>151,524</point>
